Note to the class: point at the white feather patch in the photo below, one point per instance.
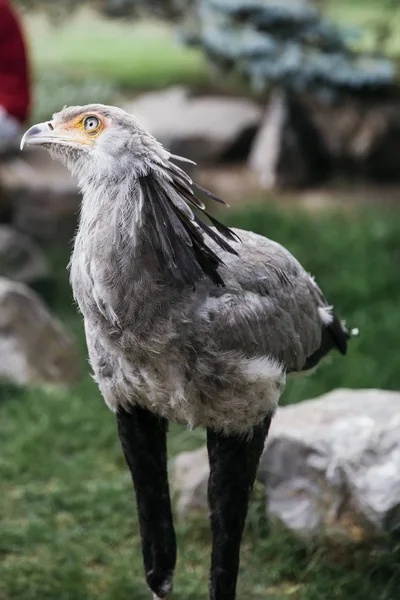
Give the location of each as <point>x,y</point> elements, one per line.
<point>267,377</point>
<point>325,313</point>
<point>262,368</point>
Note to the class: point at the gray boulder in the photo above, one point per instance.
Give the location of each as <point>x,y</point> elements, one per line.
<point>330,464</point>
<point>190,479</point>
<point>205,129</point>
<point>335,461</point>
<point>42,197</point>
<point>20,258</point>
<point>34,347</point>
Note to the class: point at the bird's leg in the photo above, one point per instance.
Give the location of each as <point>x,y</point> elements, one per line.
<point>143,438</point>
<point>233,466</point>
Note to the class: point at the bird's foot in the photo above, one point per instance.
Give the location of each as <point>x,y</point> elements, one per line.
<point>164,590</point>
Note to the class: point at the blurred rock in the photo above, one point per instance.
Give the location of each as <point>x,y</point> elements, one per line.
<point>366,135</point>
<point>205,129</point>
<point>288,151</point>
<point>42,196</point>
<point>20,258</point>
<point>190,481</point>
<point>331,463</point>
<point>34,347</point>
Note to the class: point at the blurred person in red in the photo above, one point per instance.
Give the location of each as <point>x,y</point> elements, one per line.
<point>15,92</point>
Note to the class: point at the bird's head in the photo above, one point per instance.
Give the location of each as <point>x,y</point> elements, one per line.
<point>112,154</point>
<point>95,139</point>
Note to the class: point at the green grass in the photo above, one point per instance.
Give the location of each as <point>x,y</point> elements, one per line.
<point>132,55</point>
<point>89,59</point>
<point>68,527</point>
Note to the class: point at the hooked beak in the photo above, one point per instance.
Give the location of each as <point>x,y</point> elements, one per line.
<point>46,133</point>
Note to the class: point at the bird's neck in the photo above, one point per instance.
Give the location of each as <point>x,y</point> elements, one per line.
<point>113,265</point>
<point>113,228</point>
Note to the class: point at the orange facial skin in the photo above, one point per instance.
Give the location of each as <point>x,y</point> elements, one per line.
<point>76,128</point>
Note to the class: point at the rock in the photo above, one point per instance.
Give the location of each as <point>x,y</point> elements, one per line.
<point>330,464</point>
<point>20,258</point>
<point>335,461</point>
<point>205,129</point>
<point>366,135</point>
<point>34,347</point>
<point>42,196</point>
<point>190,481</point>
<point>288,151</point>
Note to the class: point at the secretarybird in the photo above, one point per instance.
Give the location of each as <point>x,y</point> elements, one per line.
<point>184,322</point>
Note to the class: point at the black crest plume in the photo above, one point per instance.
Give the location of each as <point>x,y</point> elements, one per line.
<point>177,233</point>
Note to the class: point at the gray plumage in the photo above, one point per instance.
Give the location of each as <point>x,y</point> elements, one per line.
<point>184,322</point>
<point>201,330</point>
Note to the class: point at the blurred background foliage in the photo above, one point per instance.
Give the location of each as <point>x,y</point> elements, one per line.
<point>349,46</point>
<point>290,43</point>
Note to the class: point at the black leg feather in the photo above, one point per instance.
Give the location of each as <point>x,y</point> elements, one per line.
<point>143,440</point>
<point>233,466</point>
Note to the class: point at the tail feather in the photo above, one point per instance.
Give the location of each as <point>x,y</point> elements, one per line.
<point>340,334</point>
<point>334,335</point>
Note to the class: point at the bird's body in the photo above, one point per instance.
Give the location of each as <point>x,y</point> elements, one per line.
<point>213,356</point>
<point>192,324</point>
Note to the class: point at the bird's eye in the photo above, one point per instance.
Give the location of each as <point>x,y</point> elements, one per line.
<point>91,124</point>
